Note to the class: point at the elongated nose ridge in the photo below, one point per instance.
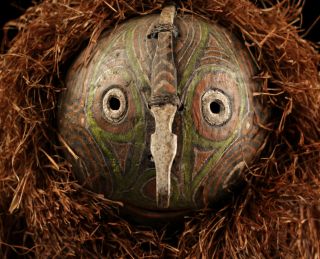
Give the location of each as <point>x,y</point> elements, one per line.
<point>163,105</point>
<point>163,146</point>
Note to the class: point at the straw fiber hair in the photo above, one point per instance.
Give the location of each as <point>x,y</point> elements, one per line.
<point>45,213</point>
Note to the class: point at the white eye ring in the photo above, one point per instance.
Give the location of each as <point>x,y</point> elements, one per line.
<point>114,105</point>
<point>216,107</point>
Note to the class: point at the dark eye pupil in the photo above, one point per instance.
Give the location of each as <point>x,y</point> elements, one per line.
<point>215,107</point>
<point>114,103</point>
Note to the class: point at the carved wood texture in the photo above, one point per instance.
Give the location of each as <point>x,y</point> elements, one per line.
<point>115,158</point>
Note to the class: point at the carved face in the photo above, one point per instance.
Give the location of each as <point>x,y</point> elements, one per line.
<point>182,116</point>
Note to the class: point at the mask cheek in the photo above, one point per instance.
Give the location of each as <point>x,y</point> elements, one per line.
<point>228,173</point>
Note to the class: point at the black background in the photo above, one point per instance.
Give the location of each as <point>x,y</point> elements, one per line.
<point>11,9</point>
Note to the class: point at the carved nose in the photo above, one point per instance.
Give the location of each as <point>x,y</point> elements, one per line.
<point>163,146</point>
<point>163,102</point>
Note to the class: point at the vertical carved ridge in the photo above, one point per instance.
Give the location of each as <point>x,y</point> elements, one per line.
<point>164,74</point>
<point>163,104</point>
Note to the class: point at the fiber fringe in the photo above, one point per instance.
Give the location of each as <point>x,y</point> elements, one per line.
<point>45,213</point>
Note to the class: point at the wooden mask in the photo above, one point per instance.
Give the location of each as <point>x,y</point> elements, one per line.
<point>162,114</point>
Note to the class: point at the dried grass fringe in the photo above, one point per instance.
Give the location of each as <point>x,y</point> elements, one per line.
<point>44,213</point>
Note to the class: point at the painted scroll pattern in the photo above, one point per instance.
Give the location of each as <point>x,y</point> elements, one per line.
<point>205,164</point>
<point>90,161</point>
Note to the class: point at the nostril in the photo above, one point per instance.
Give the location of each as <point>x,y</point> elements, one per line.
<point>174,162</point>
<point>150,158</point>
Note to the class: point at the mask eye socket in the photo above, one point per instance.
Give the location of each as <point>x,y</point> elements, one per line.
<point>114,105</point>
<point>216,107</point>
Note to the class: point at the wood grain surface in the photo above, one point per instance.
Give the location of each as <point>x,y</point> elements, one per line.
<point>115,158</point>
